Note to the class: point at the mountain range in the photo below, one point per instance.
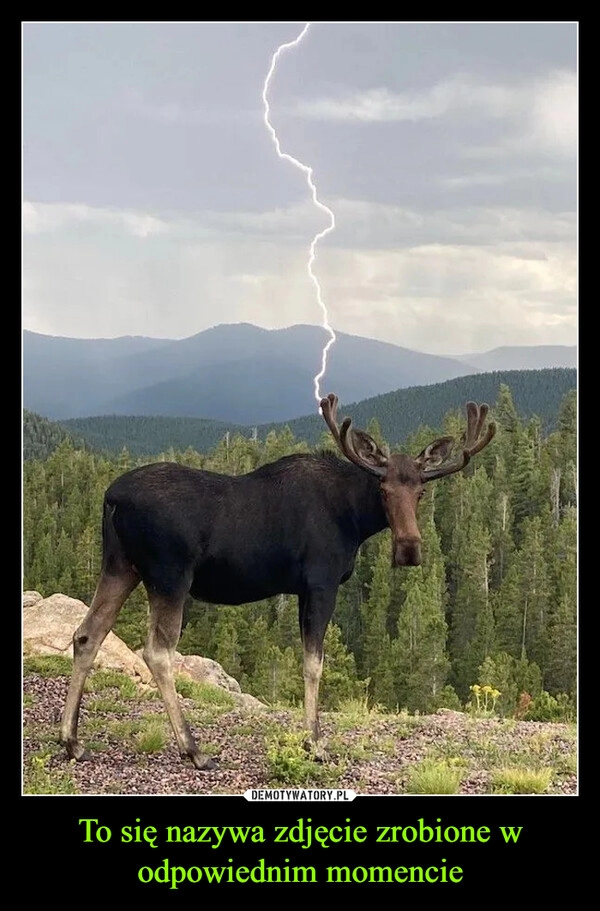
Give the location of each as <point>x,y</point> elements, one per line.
<point>238,372</point>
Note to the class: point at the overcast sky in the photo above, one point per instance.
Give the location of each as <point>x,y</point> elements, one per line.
<point>155,202</point>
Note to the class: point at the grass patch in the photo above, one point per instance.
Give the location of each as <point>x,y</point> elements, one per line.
<point>122,730</point>
<point>107,706</point>
<point>354,712</point>
<point>96,746</point>
<point>38,778</point>
<point>203,693</point>
<point>433,777</point>
<point>48,665</point>
<point>289,763</point>
<point>521,781</point>
<point>44,735</point>
<point>242,730</point>
<point>356,708</point>
<point>387,744</point>
<point>152,738</point>
<point>567,765</point>
<point>482,750</point>
<point>106,678</point>
<point>360,749</point>
<point>539,743</point>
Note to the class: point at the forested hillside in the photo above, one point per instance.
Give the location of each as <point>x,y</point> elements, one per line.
<point>400,413</point>
<point>535,392</point>
<point>494,603</point>
<point>41,436</point>
<point>144,435</point>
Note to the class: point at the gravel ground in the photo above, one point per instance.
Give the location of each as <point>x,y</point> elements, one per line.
<point>372,754</point>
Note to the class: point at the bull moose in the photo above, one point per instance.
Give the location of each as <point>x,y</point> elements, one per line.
<point>290,527</point>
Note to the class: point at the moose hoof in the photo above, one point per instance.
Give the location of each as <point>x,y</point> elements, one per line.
<point>78,752</point>
<point>204,763</point>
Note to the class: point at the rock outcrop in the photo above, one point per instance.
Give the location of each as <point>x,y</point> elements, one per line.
<point>48,626</point>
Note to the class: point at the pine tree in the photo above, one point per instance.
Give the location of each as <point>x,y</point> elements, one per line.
<point>198,629</point>
<point>86,565</point>
<point>523,492</point>
<point>339,681</point>
<point>501,525</point>
<point>285,628</point>
<point>377,651</point>
<point>498,671</point>
<point>472,623</point>
<point>280,444</point>
<point>374,430</point>
<point>226,645</point>
<point>277,677</point>
<point>255,641</point>
<point>523,603</point>
<point>561,667</point>
<point>350,602</point>
<point>419,650</point>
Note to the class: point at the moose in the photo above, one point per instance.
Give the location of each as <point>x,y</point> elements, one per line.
<point>293,526</point>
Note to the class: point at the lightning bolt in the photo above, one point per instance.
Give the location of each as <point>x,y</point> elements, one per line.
<point>308,171</point>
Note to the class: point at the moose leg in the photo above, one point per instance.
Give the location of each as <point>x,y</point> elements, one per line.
<point>166,614</point>
<point>316,608</point>
<point>111,593</point>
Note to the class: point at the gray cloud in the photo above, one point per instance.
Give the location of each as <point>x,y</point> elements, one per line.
<point>155,203</point>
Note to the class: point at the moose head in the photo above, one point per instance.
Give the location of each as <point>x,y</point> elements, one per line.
<point>402,478</point>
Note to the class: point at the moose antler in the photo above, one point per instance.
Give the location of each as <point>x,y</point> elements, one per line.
<point>471,441</point>
<point>356,445</point>
<point>432,463</point>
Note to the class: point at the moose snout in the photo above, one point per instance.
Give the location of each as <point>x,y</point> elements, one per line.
<point>407,552</point>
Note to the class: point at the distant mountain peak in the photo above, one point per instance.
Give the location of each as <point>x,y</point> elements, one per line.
<point>261,375</point>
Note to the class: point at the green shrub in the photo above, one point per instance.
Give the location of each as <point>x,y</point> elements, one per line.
<point>433,777</point>
<point>289,762</point>
<point>550,708</point>
<point>152,739</point>
<point>38,778</point>
<point>447,699</point>
<point>521,781</point>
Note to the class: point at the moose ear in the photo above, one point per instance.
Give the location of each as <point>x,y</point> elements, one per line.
<point>367,449</point>
<point>436,453</point>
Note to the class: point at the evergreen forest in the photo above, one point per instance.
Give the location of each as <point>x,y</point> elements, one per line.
<point>399,413</point>
<point>491,612</point>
